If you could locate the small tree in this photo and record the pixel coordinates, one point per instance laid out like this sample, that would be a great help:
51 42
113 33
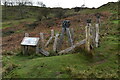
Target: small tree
41 4
77 9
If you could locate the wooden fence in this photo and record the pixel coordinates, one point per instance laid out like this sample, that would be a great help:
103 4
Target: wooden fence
91 41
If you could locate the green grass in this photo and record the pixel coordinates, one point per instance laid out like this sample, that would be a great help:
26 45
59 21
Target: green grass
51 65
103 65
78 65
116 21
12 23
64 66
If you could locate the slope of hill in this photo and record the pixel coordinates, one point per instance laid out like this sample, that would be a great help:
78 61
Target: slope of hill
104 63
110 6
66 66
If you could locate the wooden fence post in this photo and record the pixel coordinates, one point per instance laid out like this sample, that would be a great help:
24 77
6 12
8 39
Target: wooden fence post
62 35
26 35
93 36
97 35
72 33
60 42
44 52
37 48
42 40
70 40
98 21
52 35
73 47
88 37
55 45
23 49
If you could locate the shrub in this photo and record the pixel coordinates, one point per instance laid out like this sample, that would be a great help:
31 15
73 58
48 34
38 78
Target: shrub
7 33
50 23
39 17
9 68
59 13
33 25
45 12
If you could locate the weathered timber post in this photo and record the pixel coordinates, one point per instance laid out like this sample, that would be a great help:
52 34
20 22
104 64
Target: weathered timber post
61 38
23 50
93 37
97 29
55 45
97 35
52 35
44 52
65 28
88 35
26 35
98 16
37 48
88 38
70 40
72 33
42 40
73 47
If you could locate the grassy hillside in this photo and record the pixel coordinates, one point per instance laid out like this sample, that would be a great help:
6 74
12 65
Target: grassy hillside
104 64
77 64
34 12
66 66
